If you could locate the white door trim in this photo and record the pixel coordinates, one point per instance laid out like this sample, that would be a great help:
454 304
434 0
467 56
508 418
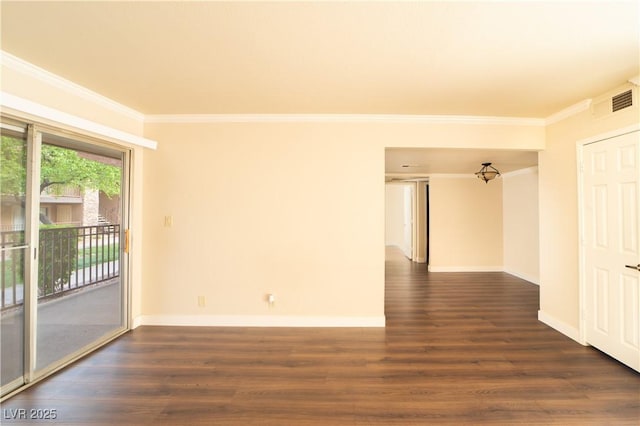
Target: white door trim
581 237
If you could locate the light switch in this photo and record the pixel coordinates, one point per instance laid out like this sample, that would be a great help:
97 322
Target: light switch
168 221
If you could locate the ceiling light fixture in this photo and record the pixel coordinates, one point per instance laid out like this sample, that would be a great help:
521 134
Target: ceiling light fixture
487 172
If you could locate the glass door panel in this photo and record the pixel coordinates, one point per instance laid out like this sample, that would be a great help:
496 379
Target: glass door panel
80 290
13 191
62 220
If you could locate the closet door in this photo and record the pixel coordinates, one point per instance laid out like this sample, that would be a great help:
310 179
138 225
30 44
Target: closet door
611 188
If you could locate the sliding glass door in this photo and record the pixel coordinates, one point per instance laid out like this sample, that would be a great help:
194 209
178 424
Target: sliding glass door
80 291
64 216
13 254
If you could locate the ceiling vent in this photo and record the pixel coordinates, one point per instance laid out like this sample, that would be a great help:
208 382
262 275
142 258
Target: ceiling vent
622 101
611 103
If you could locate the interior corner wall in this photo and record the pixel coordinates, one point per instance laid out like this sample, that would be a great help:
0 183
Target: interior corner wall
558 189
465 224
68 100
521 224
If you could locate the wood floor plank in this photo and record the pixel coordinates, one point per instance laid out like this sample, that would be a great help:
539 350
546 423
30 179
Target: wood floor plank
459 348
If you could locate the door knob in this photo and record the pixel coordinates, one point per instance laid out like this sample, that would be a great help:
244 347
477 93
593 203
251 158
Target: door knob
637 267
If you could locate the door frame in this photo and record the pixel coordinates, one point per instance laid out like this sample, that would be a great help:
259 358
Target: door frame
582 314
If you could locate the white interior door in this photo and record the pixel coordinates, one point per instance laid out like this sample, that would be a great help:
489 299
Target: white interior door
611 226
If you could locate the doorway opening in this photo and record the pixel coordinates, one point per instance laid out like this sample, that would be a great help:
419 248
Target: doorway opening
406 217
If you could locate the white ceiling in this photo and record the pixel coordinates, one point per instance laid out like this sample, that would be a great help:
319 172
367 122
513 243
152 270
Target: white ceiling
430 161
495 58
482 58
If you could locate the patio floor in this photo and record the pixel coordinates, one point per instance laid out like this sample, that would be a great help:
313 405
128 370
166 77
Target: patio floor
65 325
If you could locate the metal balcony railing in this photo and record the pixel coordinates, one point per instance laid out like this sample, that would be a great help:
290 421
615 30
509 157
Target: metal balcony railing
69 258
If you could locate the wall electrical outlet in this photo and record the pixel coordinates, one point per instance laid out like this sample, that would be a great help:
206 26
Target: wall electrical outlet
201 301
271 298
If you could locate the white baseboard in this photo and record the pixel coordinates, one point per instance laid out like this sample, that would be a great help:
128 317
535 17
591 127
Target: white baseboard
258 321
530 278
465 268
137 322
560 326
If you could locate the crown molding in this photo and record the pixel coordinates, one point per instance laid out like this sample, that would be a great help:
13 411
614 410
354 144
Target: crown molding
24 107
568 112
342 118
21 66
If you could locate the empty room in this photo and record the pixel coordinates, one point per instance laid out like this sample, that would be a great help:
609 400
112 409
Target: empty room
318 212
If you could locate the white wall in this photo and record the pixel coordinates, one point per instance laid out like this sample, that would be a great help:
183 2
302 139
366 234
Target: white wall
397 208
291 208
258 209
520 224
559 286
465 224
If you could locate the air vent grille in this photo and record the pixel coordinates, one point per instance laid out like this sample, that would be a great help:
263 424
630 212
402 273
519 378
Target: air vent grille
621 101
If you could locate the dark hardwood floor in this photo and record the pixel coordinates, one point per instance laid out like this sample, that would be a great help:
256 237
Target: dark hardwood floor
459 348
